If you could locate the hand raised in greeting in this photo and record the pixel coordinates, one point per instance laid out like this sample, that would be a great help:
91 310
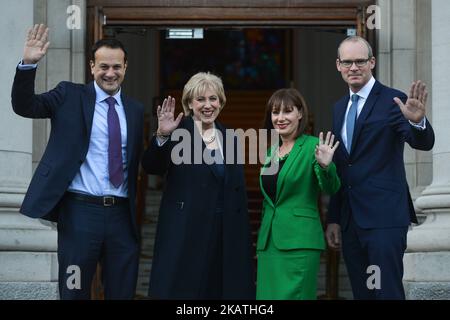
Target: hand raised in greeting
414 108
36 44
166 121
325 149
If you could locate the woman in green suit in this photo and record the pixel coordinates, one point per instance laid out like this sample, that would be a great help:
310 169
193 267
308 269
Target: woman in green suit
291 238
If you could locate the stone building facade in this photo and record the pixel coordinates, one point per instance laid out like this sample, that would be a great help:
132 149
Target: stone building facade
412 43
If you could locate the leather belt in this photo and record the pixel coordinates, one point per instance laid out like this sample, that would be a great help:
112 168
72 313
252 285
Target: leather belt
106 201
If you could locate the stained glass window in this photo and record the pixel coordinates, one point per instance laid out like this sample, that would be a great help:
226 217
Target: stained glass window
247 59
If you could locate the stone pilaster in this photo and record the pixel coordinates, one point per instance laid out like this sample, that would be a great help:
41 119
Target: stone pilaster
427 261
27 246
404 55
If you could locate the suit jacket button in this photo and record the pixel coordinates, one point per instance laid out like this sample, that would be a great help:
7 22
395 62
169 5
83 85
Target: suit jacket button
349 187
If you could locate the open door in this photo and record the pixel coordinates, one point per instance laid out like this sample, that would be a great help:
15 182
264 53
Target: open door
244 109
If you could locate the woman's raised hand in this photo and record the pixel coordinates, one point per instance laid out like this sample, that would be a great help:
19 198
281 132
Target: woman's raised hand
166 122
325 149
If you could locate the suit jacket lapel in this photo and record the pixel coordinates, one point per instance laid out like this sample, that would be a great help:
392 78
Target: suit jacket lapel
366 110
88 111
268 199
339 122
131 126
89 107
267 162
288 164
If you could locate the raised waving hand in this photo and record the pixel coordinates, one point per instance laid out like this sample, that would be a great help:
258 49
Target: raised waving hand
414 108
166 119
36 44
325 149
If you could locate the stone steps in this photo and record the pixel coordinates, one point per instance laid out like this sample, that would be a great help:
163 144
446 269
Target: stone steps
148 232
28 275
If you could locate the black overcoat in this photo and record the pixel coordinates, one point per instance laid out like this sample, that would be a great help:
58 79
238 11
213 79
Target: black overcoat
186 218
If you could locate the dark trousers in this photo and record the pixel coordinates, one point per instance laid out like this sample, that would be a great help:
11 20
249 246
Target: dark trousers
379 248
90 233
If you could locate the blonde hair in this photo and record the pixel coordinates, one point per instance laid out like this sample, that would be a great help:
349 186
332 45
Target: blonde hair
197 85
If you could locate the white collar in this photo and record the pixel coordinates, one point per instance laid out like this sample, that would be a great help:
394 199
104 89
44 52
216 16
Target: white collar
101 95
365 91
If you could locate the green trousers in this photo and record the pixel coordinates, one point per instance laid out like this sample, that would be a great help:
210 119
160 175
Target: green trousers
287 274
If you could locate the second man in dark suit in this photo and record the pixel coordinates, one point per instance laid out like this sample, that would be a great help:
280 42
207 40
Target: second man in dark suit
373 209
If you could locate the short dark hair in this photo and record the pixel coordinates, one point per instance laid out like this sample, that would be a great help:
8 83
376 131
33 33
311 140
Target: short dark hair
109 43
288 97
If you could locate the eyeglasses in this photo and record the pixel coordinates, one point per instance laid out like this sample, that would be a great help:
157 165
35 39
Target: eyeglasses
349 63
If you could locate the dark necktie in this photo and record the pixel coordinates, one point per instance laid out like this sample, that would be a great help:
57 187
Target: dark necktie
351 120
115 165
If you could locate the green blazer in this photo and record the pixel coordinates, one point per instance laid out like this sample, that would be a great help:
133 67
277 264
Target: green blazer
293 220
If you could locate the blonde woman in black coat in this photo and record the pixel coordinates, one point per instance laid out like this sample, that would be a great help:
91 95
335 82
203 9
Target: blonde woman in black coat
202 247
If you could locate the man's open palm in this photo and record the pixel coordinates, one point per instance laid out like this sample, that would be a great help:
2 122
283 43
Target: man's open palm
36 45
414 108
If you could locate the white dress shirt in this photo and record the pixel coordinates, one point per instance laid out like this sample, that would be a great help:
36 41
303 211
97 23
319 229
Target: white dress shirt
93 177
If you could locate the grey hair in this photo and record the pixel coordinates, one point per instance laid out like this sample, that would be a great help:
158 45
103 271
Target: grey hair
356 39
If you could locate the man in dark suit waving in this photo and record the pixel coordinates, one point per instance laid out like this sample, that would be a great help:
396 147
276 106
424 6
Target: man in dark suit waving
373 209
86 179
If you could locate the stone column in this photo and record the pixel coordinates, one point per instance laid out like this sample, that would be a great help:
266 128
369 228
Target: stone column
28 264
427 261
66 53
403 56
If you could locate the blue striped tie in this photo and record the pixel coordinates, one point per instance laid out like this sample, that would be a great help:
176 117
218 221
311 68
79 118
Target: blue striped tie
351 120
